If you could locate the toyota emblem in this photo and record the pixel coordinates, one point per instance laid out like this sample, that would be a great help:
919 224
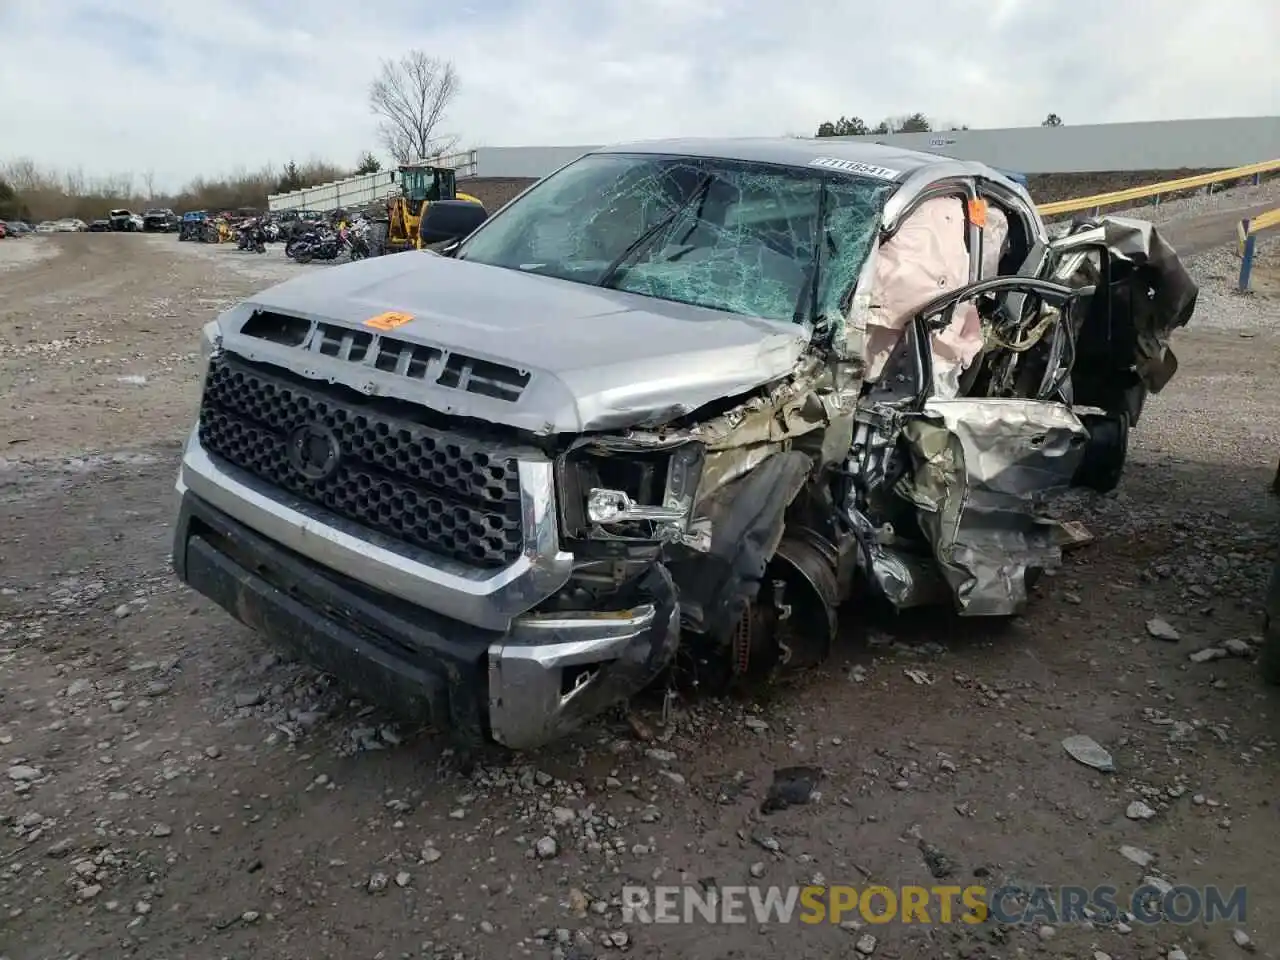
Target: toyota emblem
313 451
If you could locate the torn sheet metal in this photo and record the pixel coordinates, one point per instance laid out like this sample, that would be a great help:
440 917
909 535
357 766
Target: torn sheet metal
906 576
981 469
1171 306
1173 293
815 403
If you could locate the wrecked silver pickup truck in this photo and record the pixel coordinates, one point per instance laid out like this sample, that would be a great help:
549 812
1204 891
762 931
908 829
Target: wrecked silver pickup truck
676 397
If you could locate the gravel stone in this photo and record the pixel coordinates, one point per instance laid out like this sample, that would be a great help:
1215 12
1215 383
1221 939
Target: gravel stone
1138 810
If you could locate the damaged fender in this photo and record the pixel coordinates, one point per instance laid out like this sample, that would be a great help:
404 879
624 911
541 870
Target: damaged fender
747 517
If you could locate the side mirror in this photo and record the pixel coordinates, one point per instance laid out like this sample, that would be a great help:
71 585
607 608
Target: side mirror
450 220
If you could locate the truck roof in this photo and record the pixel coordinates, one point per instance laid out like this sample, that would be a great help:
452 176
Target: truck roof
789 151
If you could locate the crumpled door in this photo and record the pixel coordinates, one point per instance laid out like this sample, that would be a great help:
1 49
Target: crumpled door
981 469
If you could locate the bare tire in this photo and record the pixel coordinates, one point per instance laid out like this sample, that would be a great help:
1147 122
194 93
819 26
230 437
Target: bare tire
1105 452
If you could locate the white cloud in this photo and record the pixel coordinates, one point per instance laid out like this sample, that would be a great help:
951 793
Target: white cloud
206 86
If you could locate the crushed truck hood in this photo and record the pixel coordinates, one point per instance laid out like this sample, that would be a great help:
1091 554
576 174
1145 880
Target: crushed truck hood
595 359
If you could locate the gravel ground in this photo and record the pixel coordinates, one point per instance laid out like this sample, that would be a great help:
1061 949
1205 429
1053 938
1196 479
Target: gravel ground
1221 305
25 251
174 788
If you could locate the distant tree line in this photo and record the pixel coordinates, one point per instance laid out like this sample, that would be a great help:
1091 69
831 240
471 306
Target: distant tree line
30 192
856 127
909 123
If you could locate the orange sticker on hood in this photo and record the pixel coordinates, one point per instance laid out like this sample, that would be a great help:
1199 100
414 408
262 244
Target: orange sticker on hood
389 320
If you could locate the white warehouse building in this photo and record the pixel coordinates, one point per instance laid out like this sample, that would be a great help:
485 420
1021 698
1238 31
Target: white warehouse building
1061 161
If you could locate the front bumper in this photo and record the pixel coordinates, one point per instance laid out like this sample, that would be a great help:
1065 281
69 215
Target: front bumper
542 677
553 672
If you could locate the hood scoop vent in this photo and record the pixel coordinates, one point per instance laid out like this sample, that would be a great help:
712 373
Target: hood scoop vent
414 361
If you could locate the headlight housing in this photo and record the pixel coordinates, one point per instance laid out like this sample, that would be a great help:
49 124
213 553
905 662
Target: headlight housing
210 341
624 489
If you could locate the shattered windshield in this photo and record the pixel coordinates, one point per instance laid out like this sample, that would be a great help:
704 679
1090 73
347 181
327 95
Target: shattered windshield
782 243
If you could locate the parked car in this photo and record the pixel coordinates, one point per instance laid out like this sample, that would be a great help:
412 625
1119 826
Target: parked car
160 220
20 228
125 220
4 230
47 226
666 409
100 226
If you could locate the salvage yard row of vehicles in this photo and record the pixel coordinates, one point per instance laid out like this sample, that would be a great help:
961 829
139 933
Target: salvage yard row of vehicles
665 414
18 228
202 226
160 220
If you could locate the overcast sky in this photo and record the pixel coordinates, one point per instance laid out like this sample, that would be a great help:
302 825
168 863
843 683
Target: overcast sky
189 87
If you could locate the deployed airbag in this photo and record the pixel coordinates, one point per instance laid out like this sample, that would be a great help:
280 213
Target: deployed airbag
926 257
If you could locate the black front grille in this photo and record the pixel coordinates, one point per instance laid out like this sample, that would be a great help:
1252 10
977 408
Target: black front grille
446 494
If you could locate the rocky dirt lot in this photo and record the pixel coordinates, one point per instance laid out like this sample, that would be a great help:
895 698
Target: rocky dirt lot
170 788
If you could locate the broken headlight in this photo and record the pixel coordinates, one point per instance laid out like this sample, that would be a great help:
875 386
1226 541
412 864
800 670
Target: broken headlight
210 341
623 489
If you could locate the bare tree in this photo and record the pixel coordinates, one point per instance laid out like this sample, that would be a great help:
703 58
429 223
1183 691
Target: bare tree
149 181
26 176
410 96
76 183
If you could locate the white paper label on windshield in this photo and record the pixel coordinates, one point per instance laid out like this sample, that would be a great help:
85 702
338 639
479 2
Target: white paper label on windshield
855 166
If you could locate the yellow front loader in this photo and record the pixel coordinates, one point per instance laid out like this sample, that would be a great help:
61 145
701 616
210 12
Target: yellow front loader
420 184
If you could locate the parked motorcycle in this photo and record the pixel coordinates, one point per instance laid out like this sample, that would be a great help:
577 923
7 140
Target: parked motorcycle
251 236
318 244
358 239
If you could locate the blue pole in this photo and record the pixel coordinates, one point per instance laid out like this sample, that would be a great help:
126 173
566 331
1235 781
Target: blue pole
1246 260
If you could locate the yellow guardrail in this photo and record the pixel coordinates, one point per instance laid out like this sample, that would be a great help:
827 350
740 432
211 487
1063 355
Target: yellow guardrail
1264 222
1248 231
1097 201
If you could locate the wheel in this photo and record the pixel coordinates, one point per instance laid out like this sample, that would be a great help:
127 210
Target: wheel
1269 661
1105 452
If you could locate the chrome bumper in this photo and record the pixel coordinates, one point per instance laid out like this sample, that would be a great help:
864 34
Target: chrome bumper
548 673
552 673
